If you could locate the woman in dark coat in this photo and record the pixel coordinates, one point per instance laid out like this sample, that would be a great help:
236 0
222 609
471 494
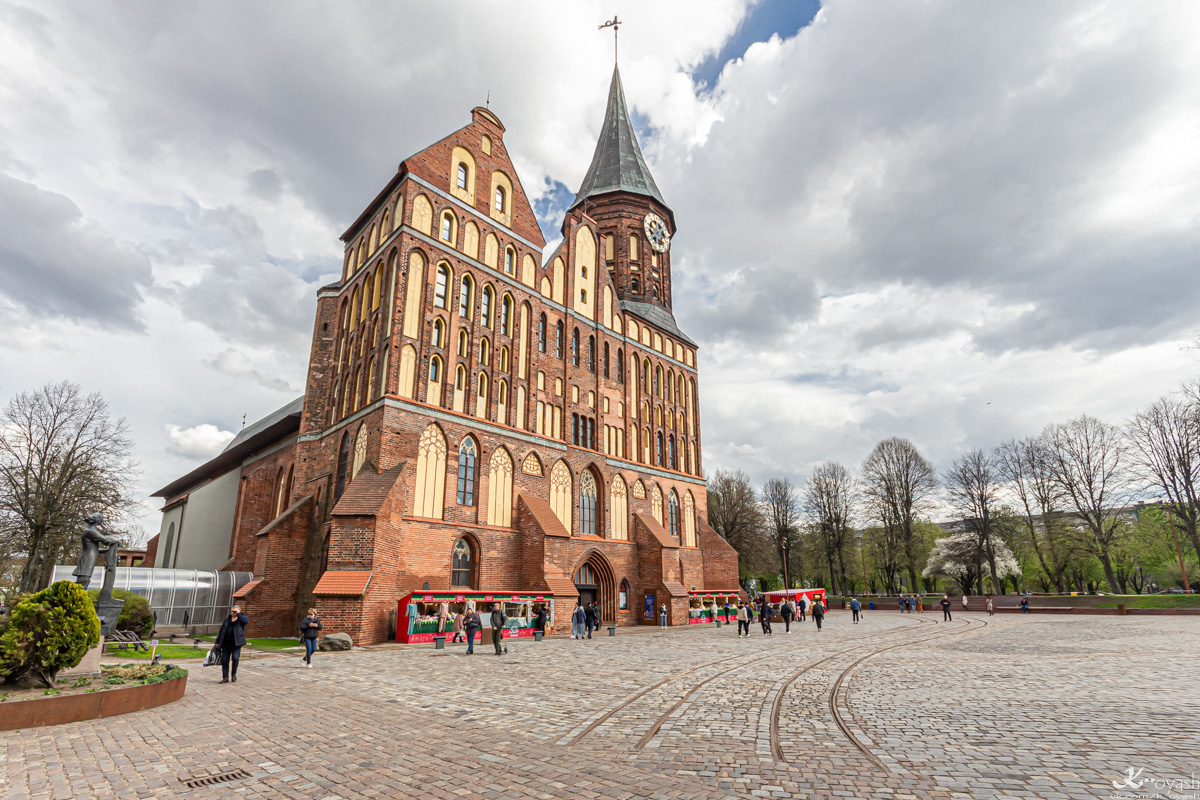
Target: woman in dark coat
309 631
232 638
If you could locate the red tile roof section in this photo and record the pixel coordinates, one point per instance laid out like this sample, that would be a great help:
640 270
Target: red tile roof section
660 533
367 492
343 582
247 589
546 520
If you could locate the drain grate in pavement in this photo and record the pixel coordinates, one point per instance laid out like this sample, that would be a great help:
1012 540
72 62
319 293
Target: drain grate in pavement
214 780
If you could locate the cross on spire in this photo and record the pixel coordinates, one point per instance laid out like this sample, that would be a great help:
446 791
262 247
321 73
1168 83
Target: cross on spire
615 24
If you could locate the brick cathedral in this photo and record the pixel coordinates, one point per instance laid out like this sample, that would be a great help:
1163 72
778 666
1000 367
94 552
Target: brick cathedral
478 415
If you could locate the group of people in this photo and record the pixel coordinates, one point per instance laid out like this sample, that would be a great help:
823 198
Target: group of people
584 620
910 603
788 610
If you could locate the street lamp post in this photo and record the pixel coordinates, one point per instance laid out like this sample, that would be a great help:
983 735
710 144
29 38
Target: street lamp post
786 584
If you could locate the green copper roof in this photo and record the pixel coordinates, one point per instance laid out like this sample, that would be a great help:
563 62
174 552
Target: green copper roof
617 164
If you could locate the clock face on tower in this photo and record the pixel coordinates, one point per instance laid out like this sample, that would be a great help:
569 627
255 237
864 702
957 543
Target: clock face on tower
656 232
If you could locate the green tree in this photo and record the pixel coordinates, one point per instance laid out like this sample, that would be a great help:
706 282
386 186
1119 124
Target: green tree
50 631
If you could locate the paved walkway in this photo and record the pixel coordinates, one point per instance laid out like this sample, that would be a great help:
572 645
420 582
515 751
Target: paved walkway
898 707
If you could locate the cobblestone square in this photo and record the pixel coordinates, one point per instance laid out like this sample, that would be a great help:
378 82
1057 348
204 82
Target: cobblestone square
900 706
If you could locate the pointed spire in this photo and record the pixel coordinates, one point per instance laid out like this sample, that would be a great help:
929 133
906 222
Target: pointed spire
617 164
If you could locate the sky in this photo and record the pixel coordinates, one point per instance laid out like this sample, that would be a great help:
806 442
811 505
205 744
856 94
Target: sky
953 222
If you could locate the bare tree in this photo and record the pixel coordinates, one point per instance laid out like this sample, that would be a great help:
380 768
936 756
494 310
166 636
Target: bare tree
1089 462
1166 450
1024 465
973 487
734 513
781 507
898 483
828 499
61 457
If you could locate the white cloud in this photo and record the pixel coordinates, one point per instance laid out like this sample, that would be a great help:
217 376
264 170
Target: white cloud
888 221
199 441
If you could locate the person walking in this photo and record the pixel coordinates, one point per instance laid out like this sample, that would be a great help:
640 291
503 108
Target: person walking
785 611
232 638
457 626
498 620
472 623
578 618
818 613
309 630
596 607
964 602
855 608
662 616
743 620
920 605
539 623
946 608
764 617
803 607
589 619
901 601
990 608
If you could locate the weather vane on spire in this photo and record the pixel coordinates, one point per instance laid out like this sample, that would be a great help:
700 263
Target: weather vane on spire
615 24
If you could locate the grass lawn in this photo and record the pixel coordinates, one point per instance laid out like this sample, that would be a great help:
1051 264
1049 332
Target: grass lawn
169 652
1150 601
263 644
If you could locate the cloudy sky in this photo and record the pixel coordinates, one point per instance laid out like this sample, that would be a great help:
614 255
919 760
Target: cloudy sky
955 222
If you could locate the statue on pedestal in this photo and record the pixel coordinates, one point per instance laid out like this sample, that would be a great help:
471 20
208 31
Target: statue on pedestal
93 538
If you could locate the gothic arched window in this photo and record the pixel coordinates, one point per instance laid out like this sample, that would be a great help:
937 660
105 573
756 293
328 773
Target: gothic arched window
466 472
485 307
438 338
462 570
587 504
575 347
673 513
604 362
466 297
542 333
591 354
558 339
658 449
439 289
462 176
500 199
343 464
620 366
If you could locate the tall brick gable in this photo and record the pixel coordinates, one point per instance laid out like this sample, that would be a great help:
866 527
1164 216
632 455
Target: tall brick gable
585 445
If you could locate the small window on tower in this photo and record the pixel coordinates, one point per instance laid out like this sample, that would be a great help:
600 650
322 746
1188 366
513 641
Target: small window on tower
462 176
500 198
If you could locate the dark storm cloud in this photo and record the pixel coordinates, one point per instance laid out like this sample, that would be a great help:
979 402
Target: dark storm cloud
54 263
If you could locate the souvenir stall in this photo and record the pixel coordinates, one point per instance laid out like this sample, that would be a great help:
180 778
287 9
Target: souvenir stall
420 612
710 606
778 596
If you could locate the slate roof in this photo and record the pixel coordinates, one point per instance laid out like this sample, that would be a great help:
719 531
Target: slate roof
655 315
294 408
367 491
617 165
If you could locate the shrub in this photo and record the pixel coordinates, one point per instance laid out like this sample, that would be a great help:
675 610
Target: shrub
51 630
135 616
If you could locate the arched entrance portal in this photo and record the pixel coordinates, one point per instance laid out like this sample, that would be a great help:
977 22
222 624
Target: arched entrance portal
594 581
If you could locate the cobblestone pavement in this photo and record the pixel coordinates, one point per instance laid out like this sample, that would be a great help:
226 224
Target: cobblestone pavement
898 707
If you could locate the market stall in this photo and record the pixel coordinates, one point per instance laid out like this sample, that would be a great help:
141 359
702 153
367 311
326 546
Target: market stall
710 606
424 615
778 596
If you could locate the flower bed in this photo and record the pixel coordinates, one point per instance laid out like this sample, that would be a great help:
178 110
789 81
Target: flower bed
119 690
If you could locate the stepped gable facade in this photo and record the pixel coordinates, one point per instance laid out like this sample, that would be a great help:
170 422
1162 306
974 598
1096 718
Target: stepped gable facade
478 414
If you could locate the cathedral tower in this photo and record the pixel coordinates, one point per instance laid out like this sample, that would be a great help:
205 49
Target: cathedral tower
635 222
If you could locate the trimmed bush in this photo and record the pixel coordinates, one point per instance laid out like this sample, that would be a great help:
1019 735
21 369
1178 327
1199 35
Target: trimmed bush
135 616
50 631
